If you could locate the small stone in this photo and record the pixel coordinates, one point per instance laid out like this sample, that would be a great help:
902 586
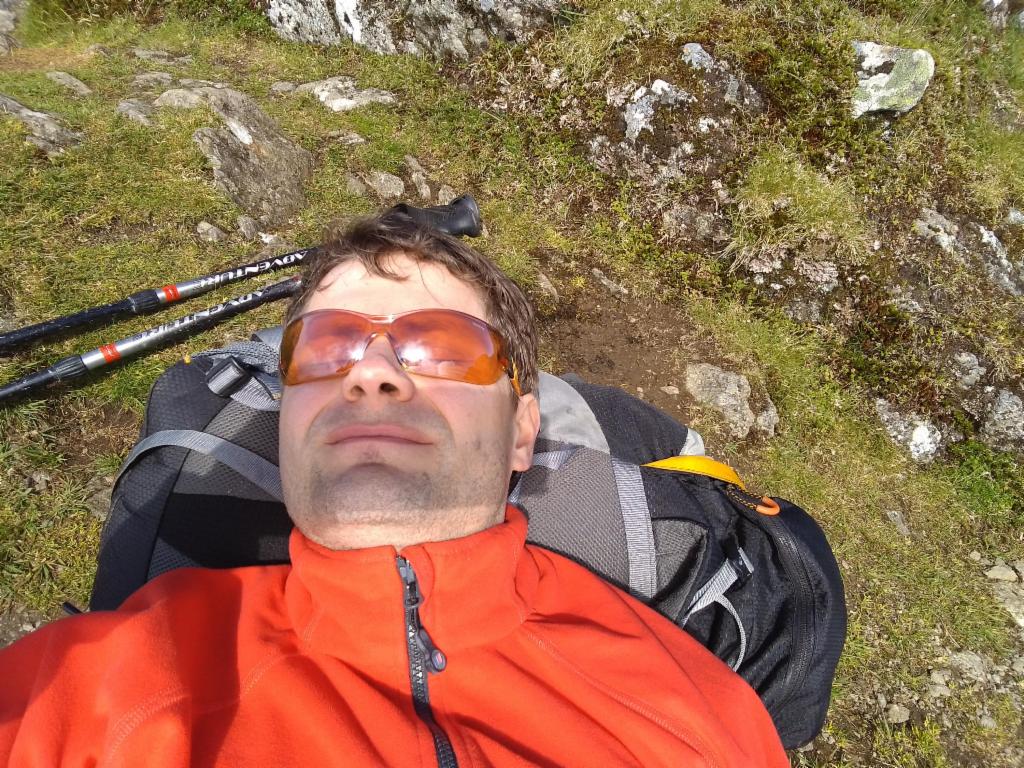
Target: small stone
919 436
1018 665
936 691
1001 573
281 87
988 722
163 57
99 503
1015 218
386 185
180 98
695 55
896 518
340 94
670 389
615 288
39 481
248 227
971 665
546 286
273 240
897 714
73 84
346 138
354 186
975 556
1011 598
135 110
1004 427
210 233
768 420
152 80
47 133
940 676
96 49
890 79
446 194
418 176
969 371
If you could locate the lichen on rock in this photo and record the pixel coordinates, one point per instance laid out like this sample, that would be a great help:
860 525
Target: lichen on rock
890 79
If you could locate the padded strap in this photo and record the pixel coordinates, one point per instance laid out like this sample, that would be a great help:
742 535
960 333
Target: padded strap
566 417
699 465
253 467
636 516
550 459
714 591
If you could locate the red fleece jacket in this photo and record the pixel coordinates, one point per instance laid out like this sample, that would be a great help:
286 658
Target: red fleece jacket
310 665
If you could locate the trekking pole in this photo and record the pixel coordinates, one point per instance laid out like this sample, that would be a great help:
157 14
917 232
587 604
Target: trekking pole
460 217
74 366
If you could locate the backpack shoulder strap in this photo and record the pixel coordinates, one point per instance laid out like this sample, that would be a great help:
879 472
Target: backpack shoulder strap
250 465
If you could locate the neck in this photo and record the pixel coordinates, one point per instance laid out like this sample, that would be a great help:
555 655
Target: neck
339 535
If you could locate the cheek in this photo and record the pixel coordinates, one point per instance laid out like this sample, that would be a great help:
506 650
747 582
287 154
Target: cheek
299 405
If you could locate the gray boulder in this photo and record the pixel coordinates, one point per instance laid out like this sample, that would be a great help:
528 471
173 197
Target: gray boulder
998 12
1004 426
918 435
73 84
210 233
436 27
46 132
729 394
10 12
145 80
890 79
339 94
253 162
136 110
386 185
1003 272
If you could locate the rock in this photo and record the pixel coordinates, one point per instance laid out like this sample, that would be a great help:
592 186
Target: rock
726 392
386 185
211 233
1015 218
968 370
438 27
248 227
1018 21
47 133
823 274
546 286
918 435
1004 426
145 80
640 108
39 481
136 110
354 185
418 176
998 12
767 420
99 503
614 288
1001 573
686 222
896 518
282 86
890 79
73 84
975 556
1011 598
446 194
346 138
10 13
96 49
934 226
897 714
161 57
670 390
734 89
188 82
340 94
253 162
1001 271
970 665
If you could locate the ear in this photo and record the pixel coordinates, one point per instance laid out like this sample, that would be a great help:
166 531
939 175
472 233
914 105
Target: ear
525 426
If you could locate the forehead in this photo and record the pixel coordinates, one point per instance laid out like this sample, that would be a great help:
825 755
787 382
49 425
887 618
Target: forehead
423 285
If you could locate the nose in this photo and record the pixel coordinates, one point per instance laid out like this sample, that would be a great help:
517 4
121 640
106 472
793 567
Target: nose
378 374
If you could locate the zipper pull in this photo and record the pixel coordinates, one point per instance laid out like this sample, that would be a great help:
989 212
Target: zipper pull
433 656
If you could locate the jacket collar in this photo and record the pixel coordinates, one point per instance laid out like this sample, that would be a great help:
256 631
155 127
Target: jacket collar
350 603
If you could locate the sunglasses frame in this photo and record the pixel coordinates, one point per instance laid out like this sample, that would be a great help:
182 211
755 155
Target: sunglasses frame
380 326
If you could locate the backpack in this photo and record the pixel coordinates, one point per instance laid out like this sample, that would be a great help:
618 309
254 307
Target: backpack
616 485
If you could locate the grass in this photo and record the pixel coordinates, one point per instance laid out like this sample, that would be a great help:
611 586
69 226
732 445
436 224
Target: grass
784 204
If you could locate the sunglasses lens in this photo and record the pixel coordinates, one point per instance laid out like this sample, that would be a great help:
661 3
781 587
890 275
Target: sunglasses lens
448 345
319 345
443 344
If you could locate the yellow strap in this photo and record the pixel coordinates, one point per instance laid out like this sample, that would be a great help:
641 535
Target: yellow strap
699 465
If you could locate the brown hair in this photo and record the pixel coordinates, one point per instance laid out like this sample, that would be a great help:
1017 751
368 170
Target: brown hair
372 241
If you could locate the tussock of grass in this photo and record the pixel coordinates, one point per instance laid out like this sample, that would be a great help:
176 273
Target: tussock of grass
998 165
782 203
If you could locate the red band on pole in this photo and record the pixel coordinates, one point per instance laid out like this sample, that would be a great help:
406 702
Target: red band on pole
171 293
110 353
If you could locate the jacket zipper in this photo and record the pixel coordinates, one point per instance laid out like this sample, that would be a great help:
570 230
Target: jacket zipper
424 658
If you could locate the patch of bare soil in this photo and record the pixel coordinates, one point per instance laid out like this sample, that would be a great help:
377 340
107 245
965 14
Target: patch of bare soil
17 622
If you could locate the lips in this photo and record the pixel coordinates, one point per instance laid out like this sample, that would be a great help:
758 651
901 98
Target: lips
392 433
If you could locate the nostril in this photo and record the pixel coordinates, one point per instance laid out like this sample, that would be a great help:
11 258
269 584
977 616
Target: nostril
387 387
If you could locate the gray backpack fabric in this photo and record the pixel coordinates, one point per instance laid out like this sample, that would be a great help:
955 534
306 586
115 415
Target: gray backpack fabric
763 593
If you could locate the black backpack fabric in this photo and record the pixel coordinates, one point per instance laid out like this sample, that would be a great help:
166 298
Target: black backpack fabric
761 591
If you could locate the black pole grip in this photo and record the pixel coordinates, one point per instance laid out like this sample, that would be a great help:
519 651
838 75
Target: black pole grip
460 218
66 368
29 333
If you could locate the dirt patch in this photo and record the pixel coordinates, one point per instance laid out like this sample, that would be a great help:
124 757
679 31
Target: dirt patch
85 436
16 623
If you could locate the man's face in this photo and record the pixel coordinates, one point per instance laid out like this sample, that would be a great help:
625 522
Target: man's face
381 456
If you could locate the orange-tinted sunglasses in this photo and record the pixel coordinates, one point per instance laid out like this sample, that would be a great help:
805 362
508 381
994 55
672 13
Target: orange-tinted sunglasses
440 343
